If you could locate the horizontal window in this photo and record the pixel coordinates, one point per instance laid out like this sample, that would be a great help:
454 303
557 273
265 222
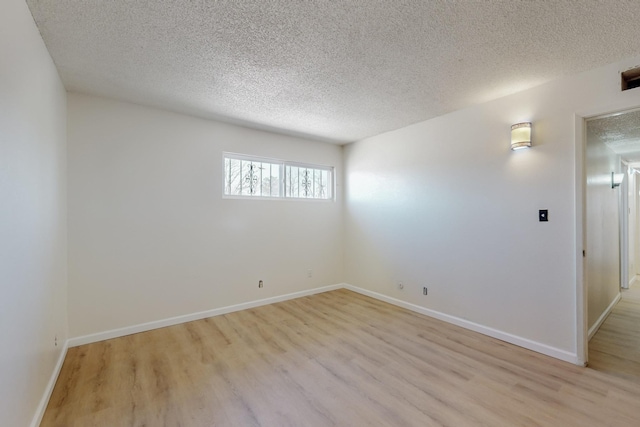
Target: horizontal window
250 177
247 176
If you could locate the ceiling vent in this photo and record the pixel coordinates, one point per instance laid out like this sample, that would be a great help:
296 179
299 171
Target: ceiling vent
630 78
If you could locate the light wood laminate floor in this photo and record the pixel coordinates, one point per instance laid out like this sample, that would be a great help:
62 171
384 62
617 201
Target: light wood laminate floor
615 348
332 359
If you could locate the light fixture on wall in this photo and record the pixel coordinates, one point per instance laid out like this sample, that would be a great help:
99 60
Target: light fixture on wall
521 136
616 179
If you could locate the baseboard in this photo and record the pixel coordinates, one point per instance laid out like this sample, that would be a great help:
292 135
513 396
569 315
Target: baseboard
128 330
504 336
634 280
501 335
44 401
115 333
603 317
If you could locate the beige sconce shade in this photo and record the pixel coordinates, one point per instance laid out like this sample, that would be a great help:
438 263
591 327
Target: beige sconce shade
521 136
616 179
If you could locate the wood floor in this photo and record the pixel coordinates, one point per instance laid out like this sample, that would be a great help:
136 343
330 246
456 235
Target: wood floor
332 359
615 348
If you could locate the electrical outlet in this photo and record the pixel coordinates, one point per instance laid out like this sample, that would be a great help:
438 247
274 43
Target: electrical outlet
309 273
400 285
260 284
55 341
424 291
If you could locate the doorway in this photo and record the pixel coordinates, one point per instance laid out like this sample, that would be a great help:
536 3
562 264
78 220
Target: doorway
611 150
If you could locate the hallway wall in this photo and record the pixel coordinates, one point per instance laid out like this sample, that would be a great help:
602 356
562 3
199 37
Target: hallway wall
603 233
634 228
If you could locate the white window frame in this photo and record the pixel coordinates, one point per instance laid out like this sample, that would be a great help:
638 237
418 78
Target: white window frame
283 165
328 169
244 157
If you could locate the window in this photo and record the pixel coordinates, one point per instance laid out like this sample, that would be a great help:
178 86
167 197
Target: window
244 176
307 182
247 176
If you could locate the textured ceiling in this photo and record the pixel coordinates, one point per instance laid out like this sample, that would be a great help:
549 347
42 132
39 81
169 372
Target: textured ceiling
333 70
620 132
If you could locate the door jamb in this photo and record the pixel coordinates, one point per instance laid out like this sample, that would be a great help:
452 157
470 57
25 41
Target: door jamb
580 134
581 327
624 227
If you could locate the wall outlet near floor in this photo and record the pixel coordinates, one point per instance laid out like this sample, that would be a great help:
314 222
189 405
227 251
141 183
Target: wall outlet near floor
424 291
400 285
309 273
260 284
55 341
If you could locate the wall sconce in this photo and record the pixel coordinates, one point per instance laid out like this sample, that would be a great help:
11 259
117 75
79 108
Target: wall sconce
616 179
520 136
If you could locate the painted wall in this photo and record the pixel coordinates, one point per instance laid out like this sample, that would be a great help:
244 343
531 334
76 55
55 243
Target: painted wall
150 236
445 204
634 227
603 232
33 253
631 218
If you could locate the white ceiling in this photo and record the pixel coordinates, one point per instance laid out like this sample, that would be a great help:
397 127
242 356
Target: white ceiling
332 70
620 132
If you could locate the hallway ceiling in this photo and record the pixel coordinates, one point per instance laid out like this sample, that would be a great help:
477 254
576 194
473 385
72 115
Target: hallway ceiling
620 132
334 71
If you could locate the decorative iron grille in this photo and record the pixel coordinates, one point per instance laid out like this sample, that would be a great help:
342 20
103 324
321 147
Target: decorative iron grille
254 177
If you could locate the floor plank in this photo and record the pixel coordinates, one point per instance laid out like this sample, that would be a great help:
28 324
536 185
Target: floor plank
332 359
615 348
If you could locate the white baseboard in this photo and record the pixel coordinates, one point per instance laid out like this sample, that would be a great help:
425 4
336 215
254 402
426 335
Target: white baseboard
634 280
504 336
115 333
44 401
593 329
128 330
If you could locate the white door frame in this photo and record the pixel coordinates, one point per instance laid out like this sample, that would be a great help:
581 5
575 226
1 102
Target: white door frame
624 227
633 221
581 326
580 134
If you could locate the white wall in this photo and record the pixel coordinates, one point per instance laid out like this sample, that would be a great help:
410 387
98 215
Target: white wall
631 215
445 204
635 218
634 228
603 232
33 255
150 236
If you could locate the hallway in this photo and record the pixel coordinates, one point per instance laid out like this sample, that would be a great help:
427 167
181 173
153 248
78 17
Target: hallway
615 348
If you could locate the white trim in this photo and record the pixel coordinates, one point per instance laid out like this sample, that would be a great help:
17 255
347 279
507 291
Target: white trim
603 316
282 182
580 326
634 280
623 219
504 336
44 401
142 327
580 117
279 199
115 333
